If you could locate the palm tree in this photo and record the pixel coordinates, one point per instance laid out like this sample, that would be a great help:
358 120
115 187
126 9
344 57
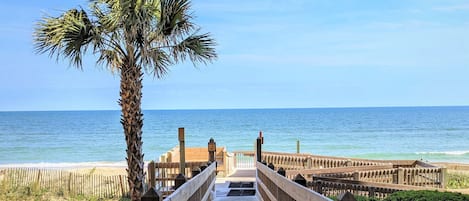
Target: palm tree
130 37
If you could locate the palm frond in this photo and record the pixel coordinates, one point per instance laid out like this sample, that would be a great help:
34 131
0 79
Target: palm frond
175 18
198 48
111 59
66 36
156 62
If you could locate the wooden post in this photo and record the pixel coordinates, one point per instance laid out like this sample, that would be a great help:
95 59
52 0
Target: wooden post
203 167
121 185
212 149
299 179
152 195
271 166
400 175
259 149
70 183
371 192
309 162
356 176
196 171
179 181
281 171
297 146
346 196
152 174
182 151
318 186
443 174
261 136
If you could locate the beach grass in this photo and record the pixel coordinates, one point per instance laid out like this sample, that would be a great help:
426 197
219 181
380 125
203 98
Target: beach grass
34 192
66 184
458 180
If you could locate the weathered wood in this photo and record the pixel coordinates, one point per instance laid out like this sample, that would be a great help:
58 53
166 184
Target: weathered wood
347 196
259 149
152 174
212 148
152 195
374 184
186 191
267 177
182 151
291 173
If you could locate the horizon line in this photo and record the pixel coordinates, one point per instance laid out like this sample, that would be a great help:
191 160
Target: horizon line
241 108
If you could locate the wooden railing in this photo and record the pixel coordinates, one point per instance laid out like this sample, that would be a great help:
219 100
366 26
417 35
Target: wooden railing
199 188
425 177
335 186
275 187
339 172
307 161
165 174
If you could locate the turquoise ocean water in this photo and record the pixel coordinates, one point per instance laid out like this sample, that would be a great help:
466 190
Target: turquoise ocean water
70 137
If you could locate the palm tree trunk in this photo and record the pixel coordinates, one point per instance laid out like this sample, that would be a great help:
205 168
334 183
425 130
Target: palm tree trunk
132 122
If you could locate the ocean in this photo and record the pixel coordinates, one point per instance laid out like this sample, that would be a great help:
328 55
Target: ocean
76 137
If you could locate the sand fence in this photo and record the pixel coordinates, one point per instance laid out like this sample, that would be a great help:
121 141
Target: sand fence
64 182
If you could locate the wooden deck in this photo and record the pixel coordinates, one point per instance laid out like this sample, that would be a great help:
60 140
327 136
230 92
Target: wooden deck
240 175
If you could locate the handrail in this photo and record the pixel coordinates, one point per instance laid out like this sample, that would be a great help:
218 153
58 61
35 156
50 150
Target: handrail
197 188
274 187
309 172
374 184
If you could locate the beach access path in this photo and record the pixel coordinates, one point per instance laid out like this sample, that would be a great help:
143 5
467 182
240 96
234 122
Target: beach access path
240 175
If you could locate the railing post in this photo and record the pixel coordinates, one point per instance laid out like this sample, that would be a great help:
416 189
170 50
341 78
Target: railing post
203 167
151 174
281 171
443 174
179 181
309 162
212 148
400 175
347 196
259 149
271 166
196 171
182 151
297 146
152 195
299 179
318 186
371 192
356 176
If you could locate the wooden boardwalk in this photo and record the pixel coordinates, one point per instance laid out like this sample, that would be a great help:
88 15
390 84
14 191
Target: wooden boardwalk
240 175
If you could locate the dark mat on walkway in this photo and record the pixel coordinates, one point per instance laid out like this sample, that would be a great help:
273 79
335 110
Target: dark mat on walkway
243 192
241 185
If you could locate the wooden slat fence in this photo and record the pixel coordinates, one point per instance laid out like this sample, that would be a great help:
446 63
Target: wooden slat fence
65 182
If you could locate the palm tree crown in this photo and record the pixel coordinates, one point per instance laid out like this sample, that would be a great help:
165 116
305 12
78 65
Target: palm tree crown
153 34
128 36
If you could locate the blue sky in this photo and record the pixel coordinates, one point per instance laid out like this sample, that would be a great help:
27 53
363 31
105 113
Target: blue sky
272 54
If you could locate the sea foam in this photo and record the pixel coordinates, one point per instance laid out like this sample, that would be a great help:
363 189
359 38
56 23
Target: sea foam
456 153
